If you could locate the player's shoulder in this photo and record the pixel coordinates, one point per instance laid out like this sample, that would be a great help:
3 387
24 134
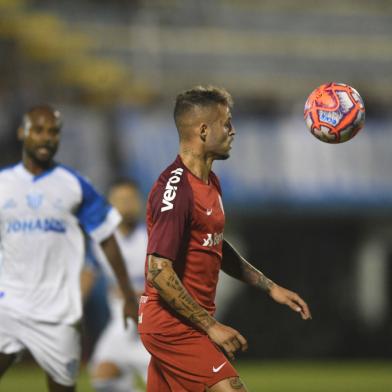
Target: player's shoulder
9 170
70 181
175 169
172 178
73 175
70 171
171 185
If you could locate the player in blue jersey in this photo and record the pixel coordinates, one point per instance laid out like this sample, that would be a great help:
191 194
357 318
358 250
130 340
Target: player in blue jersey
44 209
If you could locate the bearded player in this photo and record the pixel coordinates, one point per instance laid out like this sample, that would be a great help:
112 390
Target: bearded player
44 206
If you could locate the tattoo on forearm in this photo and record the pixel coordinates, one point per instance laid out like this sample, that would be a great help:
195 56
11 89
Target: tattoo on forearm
202 318
255 277
237 267
155 268
171 289
173 282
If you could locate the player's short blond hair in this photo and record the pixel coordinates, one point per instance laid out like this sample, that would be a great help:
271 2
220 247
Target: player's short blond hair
200 96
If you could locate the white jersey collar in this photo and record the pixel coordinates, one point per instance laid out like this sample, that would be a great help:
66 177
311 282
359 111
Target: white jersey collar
23 172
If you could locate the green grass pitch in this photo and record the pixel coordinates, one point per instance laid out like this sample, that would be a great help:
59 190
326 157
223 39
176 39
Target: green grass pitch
259 376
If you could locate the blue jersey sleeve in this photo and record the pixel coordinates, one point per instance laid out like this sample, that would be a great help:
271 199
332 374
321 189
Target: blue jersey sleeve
93 209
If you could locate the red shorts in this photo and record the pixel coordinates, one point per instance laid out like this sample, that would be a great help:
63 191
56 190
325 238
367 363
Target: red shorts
187 362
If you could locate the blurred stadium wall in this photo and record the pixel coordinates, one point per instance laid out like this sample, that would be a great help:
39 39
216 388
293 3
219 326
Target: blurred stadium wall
315 217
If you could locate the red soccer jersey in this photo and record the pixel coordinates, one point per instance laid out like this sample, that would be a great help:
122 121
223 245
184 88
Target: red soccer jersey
185 222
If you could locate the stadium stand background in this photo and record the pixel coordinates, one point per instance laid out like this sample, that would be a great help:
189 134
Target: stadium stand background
317 218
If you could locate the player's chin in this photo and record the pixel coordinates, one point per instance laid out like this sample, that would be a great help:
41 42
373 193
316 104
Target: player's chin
44 158
223 156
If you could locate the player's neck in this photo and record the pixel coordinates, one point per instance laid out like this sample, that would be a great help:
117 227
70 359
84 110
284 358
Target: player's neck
197 164
34 167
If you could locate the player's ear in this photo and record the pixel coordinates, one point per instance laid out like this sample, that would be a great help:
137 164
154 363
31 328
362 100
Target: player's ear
203 131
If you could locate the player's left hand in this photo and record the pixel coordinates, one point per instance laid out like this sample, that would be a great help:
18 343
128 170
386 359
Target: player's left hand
291 299
130 310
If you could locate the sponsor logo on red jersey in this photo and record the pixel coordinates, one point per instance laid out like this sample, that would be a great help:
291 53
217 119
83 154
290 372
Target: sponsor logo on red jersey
213 239
171 190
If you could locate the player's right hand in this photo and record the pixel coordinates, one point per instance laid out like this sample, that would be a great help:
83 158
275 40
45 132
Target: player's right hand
227 338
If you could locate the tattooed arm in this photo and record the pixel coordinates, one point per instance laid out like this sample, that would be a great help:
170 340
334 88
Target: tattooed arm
163 277
169 286
237 267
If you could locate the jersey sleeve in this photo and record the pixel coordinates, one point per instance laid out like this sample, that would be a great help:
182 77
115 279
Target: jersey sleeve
97 217
169 212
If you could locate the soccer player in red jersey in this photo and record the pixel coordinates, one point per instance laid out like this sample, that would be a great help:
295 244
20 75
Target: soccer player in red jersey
186 250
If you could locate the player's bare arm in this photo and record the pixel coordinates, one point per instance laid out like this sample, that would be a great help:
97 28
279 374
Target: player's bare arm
163 277
237 267
166 281
87 280
113 254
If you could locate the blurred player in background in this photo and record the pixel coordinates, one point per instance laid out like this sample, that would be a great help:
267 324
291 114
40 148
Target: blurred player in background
43 206
119 354
186 250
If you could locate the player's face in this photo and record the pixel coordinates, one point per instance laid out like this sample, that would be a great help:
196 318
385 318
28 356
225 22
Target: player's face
41 136
221 133
128 202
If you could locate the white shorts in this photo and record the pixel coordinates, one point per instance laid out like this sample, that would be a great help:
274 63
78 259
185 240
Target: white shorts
121 346
55 347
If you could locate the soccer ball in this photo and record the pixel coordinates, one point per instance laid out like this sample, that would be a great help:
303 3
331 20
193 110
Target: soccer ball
334 112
